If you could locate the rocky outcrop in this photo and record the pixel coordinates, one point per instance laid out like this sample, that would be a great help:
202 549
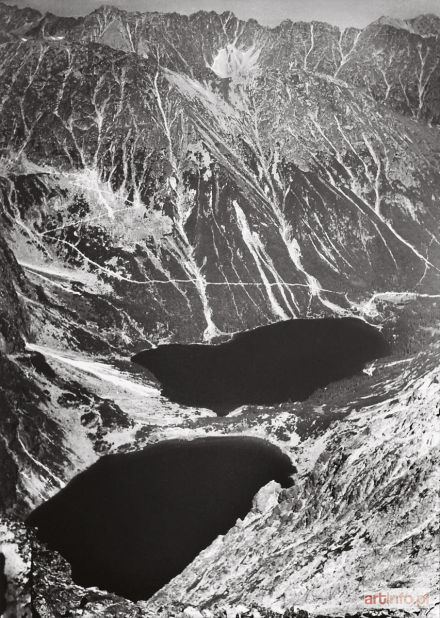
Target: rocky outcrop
16 563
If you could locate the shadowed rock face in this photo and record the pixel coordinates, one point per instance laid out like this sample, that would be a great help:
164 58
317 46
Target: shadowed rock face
14 320
130 523
271 364
3 584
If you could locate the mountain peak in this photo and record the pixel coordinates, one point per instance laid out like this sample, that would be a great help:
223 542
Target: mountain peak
423 25
426 25
12 9
108 8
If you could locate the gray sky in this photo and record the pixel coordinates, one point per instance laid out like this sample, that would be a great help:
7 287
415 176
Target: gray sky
340 12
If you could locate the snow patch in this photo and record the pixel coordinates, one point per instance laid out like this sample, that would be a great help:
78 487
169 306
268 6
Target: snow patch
102 371
234 62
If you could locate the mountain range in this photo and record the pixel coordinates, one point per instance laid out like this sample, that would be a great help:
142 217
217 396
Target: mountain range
178 179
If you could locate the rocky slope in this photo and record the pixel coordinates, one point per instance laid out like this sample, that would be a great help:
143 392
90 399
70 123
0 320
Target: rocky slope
171 178
359 519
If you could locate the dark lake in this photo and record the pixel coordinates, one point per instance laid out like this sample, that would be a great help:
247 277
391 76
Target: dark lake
268 365
130 523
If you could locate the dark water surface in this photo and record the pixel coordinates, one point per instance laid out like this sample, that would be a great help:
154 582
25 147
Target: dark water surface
131 522
271 364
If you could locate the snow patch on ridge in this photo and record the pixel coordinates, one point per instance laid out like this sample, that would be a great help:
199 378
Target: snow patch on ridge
234 62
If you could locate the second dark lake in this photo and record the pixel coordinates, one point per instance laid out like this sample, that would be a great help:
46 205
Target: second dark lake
132 522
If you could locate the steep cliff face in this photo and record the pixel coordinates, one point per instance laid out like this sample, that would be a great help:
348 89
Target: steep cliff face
14 321
166 178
